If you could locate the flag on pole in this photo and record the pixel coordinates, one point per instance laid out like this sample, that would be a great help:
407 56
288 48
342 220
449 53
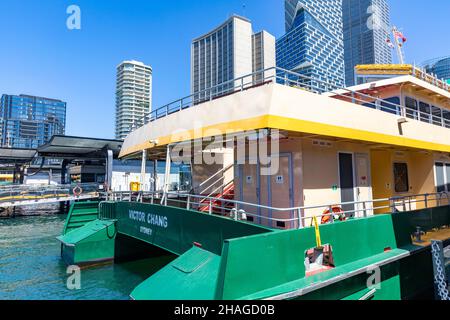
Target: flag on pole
389 43
400 35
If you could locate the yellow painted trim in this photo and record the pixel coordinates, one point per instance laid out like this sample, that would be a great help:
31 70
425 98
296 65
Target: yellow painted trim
226 127
294 125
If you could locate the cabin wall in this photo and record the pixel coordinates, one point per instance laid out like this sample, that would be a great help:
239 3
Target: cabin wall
420 175
321 181
315 178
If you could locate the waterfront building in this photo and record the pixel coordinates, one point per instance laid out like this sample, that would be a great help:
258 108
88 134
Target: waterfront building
29 121
313 44
228 52
133 96
439 67
366 27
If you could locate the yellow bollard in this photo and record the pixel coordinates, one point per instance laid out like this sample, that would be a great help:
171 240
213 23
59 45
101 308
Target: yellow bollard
318 238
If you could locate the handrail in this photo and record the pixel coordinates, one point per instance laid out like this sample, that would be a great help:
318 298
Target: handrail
223 186
368 206
22 193
217 173
291 79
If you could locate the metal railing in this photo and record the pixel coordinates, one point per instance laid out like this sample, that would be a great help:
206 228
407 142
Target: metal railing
299 81
287 218
435 115
13 194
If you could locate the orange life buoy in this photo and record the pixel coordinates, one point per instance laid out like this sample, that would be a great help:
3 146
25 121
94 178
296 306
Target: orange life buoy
77 191
336 210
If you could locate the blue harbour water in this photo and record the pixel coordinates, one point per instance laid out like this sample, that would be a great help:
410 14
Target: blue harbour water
31 267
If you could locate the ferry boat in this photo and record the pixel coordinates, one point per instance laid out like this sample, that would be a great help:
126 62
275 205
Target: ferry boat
299 190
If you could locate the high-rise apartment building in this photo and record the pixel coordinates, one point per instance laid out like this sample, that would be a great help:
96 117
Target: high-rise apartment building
29 122
133 96
313 44
366 27
228 52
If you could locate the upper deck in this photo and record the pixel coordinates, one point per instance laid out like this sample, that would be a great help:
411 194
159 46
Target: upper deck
291 102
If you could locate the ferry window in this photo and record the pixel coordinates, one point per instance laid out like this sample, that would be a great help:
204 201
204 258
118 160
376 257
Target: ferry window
442 177
425 111
391 105
437 115
446 117
411 108
401 177
447 175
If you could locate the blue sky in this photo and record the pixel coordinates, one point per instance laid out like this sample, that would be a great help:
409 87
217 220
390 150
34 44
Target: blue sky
40 56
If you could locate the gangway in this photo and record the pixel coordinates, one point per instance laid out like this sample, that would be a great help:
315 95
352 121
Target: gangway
25 195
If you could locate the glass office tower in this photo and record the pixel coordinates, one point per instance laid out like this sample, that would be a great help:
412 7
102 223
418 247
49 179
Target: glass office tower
439 67
313 44
366 27
29 122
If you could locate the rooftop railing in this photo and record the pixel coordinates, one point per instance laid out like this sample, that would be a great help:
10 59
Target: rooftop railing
433 115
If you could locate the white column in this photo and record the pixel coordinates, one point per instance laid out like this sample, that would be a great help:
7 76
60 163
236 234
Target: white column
167 173
143 169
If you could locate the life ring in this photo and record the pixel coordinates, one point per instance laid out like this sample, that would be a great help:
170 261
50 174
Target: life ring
77 191
336 210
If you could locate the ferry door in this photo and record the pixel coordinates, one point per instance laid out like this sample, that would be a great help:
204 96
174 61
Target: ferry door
277 191
249 190
363 184
347 181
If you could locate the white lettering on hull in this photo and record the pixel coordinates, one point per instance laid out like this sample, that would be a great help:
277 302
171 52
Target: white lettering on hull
150 218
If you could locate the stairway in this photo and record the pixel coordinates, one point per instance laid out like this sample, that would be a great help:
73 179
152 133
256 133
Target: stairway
80 214
221 203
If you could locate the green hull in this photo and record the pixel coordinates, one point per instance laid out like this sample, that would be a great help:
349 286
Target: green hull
222 259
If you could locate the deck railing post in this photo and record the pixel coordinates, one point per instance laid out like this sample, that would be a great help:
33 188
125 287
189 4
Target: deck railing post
188 205
332 215
300 221
426 201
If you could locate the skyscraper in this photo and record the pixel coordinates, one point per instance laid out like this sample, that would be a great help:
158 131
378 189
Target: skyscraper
133 96
227 53
263 50
29 122
313 43
439 67
366 28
